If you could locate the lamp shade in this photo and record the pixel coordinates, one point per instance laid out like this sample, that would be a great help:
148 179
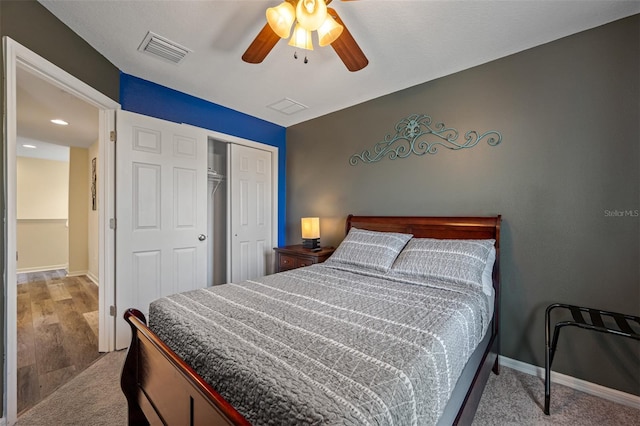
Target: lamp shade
301 38
310 227
329 31
280 19
311 13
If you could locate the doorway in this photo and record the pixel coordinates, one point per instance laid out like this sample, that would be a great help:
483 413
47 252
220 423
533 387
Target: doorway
18 59
57 285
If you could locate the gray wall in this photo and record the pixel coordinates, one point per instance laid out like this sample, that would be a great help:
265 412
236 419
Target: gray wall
33 26
569 115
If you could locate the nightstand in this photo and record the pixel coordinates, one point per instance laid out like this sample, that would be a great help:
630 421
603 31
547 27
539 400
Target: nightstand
292 257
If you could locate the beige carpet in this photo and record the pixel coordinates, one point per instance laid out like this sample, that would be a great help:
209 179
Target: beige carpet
93 398
515 398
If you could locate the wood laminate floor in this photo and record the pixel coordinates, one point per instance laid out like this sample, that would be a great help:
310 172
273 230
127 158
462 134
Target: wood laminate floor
57 332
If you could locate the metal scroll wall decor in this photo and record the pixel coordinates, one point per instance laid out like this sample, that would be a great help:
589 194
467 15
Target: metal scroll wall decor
411 139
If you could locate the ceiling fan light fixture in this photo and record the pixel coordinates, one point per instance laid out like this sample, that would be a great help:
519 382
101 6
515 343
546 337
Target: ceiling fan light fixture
280 19
311 13
329 31
301 38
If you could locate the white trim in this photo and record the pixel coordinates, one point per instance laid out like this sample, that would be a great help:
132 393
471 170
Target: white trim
106 236
10 242
42 268
93 278
55 220
17 56
594 389
77 273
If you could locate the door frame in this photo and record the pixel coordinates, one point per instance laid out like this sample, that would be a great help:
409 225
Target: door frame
223 137
17 56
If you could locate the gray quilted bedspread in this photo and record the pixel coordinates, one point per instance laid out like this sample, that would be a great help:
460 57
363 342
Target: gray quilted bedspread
320 345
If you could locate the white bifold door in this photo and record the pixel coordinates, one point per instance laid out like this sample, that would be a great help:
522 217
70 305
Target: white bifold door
161 210
250 199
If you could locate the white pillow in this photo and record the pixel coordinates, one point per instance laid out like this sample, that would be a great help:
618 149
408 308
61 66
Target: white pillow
487 273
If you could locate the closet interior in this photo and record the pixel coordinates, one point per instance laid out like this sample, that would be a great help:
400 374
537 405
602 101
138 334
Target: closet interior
217 187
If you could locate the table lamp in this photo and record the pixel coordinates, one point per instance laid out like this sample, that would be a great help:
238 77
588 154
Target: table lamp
310 232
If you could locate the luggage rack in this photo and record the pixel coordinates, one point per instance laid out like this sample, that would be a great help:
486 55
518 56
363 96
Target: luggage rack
597 324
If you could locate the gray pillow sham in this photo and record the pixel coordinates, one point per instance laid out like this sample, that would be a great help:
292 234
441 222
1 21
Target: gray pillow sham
369 249
460 261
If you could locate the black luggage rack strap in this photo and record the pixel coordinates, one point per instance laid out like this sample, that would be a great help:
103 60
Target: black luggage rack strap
597 323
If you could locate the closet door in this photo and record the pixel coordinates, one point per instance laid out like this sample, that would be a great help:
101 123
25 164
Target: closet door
161 210
250 212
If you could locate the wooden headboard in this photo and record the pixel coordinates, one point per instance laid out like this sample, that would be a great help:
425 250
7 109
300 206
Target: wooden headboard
470 228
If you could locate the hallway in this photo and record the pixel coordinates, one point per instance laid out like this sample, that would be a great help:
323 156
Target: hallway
57 326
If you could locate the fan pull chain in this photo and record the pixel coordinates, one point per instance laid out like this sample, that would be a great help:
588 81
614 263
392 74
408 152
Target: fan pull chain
295 56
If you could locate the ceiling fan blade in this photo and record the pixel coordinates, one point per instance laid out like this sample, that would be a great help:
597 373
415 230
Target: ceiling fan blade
347 48
261 45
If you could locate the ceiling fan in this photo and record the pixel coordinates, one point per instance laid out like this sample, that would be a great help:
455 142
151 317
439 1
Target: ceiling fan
309 15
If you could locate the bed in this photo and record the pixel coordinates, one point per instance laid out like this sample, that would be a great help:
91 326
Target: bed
356 340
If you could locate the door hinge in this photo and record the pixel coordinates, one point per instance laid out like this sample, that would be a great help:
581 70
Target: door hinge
112 310
112 223
16 256
113 136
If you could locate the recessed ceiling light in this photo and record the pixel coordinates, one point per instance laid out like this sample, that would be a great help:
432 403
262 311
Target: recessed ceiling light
60 122
29 146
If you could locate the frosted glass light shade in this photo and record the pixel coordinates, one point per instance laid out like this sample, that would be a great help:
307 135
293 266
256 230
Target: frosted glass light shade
280 19
311 13
329 31
310 227
301 38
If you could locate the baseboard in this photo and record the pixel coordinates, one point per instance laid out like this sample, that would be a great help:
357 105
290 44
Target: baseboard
574 383
76 273
93 278
41 269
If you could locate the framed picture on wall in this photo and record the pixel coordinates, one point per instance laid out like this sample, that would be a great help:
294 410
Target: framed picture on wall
94 201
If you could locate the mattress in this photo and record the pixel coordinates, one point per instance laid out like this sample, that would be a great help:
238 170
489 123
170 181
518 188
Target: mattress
325 345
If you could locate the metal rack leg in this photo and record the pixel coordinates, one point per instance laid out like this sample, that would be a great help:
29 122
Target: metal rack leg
550 348
547 381
547 375
548 360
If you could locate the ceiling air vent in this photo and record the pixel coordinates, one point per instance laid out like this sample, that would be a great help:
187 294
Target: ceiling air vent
287 106
163 48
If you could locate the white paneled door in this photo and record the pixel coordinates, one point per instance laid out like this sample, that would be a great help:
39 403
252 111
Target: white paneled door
250 212
161 209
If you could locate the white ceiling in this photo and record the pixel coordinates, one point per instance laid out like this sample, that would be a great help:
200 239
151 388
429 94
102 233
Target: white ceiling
406 42
38 102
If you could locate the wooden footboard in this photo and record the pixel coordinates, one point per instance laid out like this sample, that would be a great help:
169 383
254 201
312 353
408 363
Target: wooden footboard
162 389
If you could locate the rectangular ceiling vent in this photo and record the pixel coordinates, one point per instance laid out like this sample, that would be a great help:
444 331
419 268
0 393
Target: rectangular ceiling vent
288 106
163 48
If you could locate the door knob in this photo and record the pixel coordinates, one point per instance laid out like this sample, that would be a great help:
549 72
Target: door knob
202 237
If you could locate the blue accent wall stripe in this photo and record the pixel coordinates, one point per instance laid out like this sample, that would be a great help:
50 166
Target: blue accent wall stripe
148 98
